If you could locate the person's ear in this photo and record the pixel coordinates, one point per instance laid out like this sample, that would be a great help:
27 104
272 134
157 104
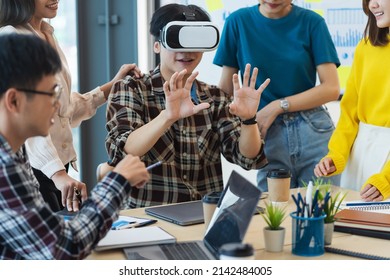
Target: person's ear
157 47
12 100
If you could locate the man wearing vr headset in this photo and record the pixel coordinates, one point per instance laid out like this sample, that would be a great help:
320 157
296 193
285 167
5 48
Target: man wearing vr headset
171 117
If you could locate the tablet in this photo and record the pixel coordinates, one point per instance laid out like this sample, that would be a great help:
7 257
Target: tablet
184 214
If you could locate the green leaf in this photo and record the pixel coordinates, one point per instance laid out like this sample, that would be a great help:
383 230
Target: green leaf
274 215
334 202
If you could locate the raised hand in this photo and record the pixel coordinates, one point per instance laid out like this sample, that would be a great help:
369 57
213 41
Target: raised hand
178 97
247 98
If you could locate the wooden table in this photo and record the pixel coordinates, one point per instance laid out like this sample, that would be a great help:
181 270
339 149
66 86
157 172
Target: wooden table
254 236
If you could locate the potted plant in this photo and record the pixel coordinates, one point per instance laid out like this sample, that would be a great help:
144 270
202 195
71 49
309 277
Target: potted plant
330 207
274 234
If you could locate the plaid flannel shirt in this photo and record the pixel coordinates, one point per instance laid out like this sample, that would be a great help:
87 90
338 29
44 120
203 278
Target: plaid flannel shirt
30 230
190 150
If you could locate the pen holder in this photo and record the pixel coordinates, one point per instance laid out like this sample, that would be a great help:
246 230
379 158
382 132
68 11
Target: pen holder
307 235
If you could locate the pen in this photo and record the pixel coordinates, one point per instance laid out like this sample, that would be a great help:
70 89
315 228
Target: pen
150 167
315 203
300 201
297 204
77 194
135 225
309 197
326 199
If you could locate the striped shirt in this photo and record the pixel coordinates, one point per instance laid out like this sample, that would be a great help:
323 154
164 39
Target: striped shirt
190 149
30 230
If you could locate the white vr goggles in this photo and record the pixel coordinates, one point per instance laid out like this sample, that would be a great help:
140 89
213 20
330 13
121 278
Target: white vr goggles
190 36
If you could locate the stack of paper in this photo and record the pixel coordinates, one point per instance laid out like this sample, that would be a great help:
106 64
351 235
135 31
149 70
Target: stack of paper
363 223
363 219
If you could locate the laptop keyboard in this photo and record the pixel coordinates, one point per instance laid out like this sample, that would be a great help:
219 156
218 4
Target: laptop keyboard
184 251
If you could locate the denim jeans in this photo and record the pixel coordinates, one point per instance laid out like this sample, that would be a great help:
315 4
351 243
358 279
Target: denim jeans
297 141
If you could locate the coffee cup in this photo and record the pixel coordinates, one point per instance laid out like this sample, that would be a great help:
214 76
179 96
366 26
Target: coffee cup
210 202
278 181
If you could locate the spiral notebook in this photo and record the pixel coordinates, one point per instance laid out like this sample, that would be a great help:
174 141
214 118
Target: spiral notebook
372 206
354 254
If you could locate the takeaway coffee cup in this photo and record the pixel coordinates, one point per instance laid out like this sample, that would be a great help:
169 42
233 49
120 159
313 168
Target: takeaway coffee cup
278 181
210 202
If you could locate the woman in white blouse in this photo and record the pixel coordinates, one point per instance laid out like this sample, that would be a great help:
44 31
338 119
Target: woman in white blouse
51 156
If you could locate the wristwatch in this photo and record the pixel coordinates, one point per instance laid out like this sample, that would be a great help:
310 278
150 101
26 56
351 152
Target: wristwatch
284 104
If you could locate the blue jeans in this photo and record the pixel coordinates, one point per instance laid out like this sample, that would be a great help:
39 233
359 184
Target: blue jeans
297 141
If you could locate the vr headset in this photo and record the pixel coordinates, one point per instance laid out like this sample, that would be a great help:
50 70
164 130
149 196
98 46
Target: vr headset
190 36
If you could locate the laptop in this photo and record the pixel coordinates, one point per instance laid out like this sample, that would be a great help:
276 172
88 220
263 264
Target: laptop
184 214
229 224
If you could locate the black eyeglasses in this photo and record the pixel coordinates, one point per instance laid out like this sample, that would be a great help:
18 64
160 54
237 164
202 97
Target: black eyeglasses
56 93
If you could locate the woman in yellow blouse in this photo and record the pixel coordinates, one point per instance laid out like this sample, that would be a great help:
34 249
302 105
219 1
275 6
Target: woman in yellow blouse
360 145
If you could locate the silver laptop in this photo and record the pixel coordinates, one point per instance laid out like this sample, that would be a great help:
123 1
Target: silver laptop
228 225
184 214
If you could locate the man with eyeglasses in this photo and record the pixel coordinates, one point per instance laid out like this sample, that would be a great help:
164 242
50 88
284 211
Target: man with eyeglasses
29 96
55 93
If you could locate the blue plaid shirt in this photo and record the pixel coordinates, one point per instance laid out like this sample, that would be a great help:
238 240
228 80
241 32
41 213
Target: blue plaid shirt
30 230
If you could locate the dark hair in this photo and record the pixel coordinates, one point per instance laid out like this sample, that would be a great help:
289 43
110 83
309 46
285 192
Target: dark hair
377 36
16 12
175 12
25 60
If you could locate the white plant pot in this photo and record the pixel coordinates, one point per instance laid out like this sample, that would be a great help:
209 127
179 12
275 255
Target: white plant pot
274 239
328 234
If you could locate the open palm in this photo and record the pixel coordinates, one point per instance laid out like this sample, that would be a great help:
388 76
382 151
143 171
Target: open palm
178 98
247 98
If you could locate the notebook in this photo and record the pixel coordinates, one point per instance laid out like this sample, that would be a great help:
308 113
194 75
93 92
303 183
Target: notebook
370 206
228 225
354 254
363 220
134 237
184 214
363 232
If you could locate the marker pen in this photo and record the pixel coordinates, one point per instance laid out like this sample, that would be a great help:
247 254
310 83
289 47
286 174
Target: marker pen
150 167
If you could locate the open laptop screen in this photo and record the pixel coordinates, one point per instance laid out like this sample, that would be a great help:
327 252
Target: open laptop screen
233 214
